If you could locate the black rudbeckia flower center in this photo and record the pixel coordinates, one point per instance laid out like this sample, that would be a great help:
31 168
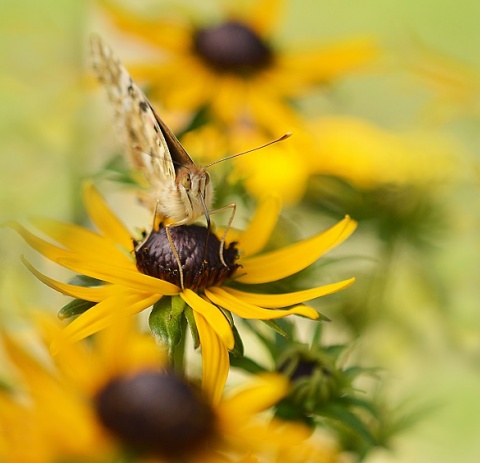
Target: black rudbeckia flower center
156 413
199 253
232 47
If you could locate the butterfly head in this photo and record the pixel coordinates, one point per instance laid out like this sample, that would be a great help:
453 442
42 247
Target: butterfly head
193 184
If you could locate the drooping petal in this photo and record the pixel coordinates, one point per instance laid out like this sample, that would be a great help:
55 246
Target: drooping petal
275 301
255 237
212 314
103 314
215 361
82 241
229 96
284 262
87 293
127 277
246 310
103 218
50 251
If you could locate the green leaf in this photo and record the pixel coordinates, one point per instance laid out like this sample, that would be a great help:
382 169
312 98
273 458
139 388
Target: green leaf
348 419
166 323
73 308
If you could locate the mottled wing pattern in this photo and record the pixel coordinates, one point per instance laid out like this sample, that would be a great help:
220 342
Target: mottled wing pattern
146 145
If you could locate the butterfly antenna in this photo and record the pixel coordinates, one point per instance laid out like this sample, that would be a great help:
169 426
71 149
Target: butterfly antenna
283 137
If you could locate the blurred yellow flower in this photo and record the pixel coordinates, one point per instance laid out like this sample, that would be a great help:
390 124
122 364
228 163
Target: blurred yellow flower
46 416
125 287
235 67
368 155
100 400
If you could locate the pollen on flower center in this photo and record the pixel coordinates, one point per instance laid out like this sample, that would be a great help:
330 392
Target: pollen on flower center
233 47
156 413
199 253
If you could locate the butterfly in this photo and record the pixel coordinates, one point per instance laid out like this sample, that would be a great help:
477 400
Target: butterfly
177 189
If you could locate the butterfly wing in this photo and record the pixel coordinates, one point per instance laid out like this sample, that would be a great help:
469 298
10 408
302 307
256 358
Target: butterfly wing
152 147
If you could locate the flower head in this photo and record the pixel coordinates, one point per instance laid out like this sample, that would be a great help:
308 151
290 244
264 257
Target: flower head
240 71
124 286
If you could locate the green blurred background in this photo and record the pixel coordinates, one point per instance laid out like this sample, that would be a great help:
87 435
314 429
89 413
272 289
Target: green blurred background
429 343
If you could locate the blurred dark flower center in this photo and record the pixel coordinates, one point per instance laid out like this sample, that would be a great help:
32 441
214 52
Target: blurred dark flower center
199 253
156 413
232 47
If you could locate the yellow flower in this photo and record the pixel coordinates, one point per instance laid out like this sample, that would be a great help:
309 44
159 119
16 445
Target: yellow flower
100 399
369 156
235 66
121 289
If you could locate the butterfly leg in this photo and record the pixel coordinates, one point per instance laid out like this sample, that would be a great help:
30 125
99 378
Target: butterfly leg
233 207
174 250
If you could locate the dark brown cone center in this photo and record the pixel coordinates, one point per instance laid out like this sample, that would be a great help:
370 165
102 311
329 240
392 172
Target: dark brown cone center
232 47
156 413
199 253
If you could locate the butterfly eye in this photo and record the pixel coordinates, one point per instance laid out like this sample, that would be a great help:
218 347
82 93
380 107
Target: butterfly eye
207 178
186 182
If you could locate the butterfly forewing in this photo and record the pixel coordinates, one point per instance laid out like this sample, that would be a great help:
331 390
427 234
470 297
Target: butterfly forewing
139 125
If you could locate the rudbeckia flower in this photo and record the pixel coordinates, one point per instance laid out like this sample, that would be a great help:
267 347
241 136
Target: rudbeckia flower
235 66
103 400
129 278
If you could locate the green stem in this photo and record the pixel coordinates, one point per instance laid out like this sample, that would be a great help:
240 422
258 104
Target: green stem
176 354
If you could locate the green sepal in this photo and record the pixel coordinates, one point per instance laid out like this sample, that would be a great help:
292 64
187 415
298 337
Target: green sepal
193 326
166 323
73 308
247 364
277 328
86 281
238 350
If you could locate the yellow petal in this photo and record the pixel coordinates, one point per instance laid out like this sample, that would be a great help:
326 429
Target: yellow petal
246 310
275 301
45 248
174 36
215 361
265 391
82 241
93 294
229 97
269 111
101 215
212 314
79 355
127 277
329 62
255 237
102 315
284 262
264 15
